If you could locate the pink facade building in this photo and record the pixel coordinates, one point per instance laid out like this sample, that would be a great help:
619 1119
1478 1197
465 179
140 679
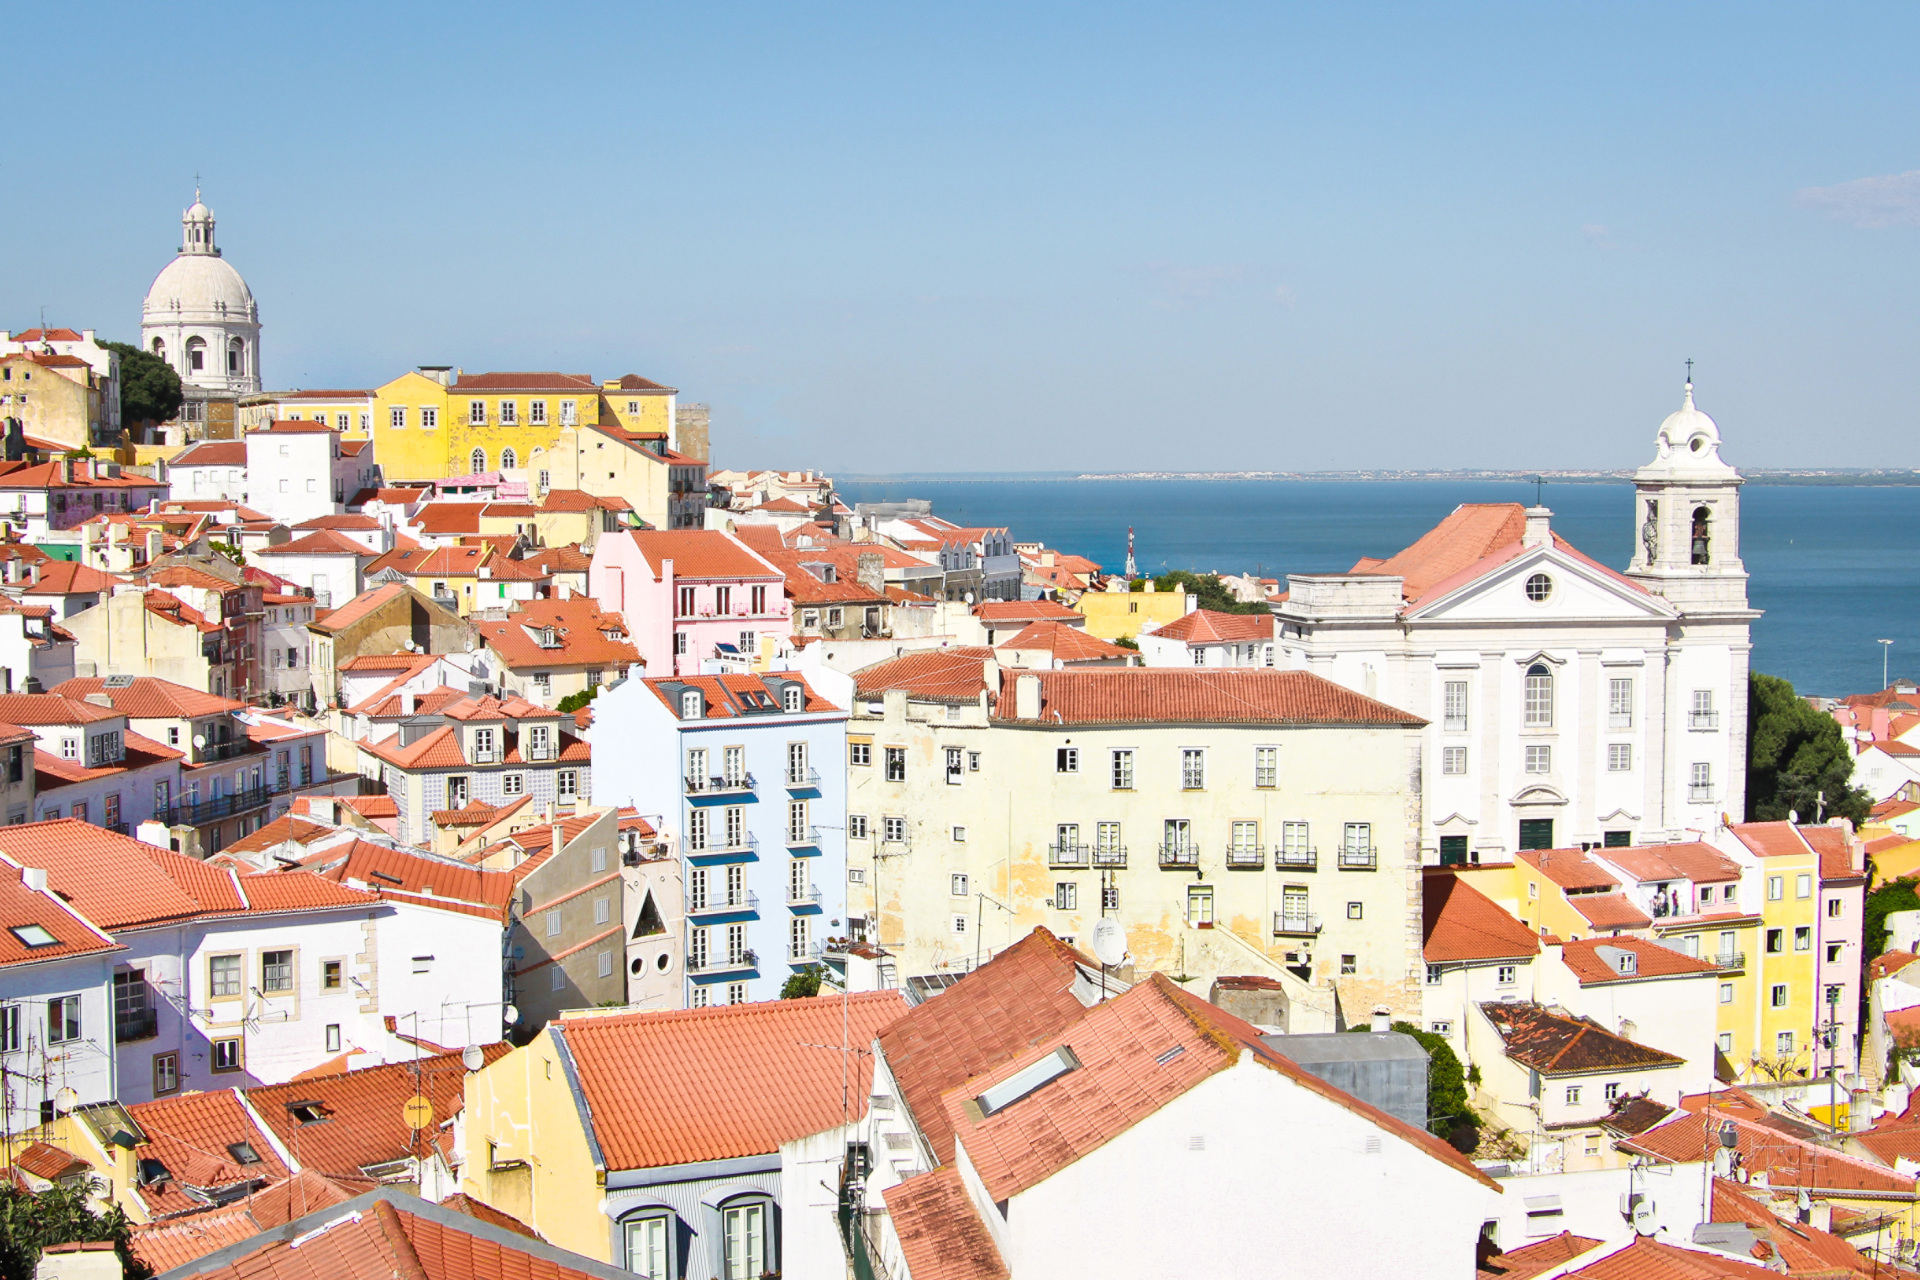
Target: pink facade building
690 596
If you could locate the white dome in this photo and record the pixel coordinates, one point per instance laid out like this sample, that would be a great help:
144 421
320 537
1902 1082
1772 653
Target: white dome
1688 430
199 287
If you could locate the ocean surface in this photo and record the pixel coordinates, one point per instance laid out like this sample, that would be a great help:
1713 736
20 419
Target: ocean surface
1836 568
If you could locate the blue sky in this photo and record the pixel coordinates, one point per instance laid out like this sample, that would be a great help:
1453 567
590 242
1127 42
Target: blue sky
980 237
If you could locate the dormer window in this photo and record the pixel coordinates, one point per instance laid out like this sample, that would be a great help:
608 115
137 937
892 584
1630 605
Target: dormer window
1627 962
791 697
690 704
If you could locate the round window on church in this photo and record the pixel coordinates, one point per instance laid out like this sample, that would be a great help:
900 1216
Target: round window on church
1539 587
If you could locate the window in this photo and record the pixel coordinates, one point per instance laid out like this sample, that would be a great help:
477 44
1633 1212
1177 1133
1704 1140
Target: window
1434 975
553 923
759 598
569 416
857 826
686 602
1779 995
893 830
602 909
276 970
1066 839
1573 1095
959 835
63 1019
1620 702
397 418
744 1229
166 1072
959 924
69 748
1702 715
1453 760
1454 697
1349 964
1123 770
700 998
1725 1041
1700 783
1783 1043
1803 938
896 764
1726 993
1834 908
1358 838
1246 841
508 460
1776 888
1539 759
1803 886
690 704
1355 910
1619 757
224 975
1200 905
605 968
513 784
860 753
1266 766
567 784
799 827
973 762
333 1037
955 765
1775 941
1506 975
226 1055
1066 760
1539 697
477 462
429 417
557 980
1193 769
1539 587
790 697
330 976
1833 953
1066 895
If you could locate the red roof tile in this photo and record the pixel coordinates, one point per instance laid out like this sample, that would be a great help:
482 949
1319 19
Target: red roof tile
1206 626
190 1136
1772 839
700 553
1609 910
1568 868
1696 861
1650 1259
941 1234
1764 1148
1002 612
1553 1044
1065 643
21 908
1461 923
1144 695
50 1164
1804 1249
321 542
728 696
1530 1260
945 674
583 635
712 1084
1888 964
149 697
579 382
187 1236
1468 534
1651 960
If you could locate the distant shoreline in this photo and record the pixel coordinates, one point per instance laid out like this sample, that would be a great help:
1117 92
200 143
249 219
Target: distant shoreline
1876 477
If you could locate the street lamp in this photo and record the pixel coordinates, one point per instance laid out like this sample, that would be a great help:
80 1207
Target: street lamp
1886 647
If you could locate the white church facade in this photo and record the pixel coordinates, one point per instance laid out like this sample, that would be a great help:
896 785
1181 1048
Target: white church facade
200 317
1568 703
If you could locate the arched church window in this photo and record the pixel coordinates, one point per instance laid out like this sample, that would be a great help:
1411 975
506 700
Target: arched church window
196 354
160 348
235 356
507 460
1701 538
478 463
1539 697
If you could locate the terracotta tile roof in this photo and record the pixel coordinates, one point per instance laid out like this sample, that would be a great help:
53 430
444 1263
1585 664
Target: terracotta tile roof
440 562
1067 644
383 868
460 1202
1634 1116
363 523
185 1237
1805 1250
1836 854
47 335
1767 1148
1888 964
563 500
1002 612
728 697
177 611
47 475
941 1234
1903 1025
1530 1260
443 518
1772 839
1568 868
1146 695
431 702
360 607
438 750
372 806
700 553
634 382
1205 626
526 382
585 635
1020 998
280 831
955 675
321 542
51 708
1651 960
49 1163
21 908
361 1120
1461 923
566 559
150 698
1891 1143
713 1084
51 772
1650 1259
488 707
190 1135
1558 1044
386 661
212 453
1128 1070
1468 534
1696 861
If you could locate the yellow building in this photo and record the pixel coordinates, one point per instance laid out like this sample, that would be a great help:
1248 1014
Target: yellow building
54 396
1786 974
1113 614
350 412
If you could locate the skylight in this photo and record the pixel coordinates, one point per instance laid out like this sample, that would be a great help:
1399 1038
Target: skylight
32 935
243 1153
1027 1080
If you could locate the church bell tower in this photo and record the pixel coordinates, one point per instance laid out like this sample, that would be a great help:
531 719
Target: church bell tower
1687 518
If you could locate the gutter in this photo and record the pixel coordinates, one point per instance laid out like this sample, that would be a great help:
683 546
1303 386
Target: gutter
580 1107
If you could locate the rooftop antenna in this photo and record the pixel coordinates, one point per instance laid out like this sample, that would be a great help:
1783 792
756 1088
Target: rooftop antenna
1131 571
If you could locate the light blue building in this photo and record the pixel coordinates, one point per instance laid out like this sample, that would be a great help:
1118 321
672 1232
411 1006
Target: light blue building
750 772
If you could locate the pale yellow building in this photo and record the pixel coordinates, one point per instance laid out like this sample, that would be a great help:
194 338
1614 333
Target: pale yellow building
1235 822
1113 614
56 398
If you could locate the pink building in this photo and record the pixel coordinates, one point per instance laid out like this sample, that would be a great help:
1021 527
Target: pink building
689 595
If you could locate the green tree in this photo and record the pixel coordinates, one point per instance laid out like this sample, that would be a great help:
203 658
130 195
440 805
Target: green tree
1449 1114
1881 903
1212 593
574 701
149 388
58 1215
802 984
1796 758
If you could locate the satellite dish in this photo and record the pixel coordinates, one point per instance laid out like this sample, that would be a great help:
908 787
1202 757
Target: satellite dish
66 1099
511 1014
200 740
1109 941
1643 1224
471 1058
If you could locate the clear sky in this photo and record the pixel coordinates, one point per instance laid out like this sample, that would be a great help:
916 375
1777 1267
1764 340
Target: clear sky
1028 237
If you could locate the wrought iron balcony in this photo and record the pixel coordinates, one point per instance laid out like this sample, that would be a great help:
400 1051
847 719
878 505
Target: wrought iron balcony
807 897
1247 857
193 815
1703 720
1178 856
809 954
223 750
143 1025
803 837
1731 961
1110 855
1700 794
720 846
744 962
738 784
1069 855
747 903
806 779
1285 859
1456 724
1302 924
1359 858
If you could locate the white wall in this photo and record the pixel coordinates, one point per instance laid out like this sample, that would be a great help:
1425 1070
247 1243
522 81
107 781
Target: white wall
1678 1014
1590 1205
39 1070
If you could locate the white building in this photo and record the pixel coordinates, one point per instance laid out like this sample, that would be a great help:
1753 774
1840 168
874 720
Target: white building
326 560
1568 703
209 471
299 471
56 1002
200 317
1205 638
751 773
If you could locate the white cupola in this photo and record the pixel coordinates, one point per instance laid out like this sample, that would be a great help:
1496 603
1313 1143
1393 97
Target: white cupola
1687 517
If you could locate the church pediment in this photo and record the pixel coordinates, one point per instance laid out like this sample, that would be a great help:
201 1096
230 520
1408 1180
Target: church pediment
1544 586
1538 794
1619 815
1457 820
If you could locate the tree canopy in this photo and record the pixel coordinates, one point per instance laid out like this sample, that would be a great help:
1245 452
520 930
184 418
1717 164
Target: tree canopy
574 701
149 388
1796 759
1212 593
802 984
59 1215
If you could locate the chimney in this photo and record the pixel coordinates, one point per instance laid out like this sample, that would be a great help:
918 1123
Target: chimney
35 878
557 841
1537 534
33 573
1382 1019
66 470
870 569
406 702
1026 696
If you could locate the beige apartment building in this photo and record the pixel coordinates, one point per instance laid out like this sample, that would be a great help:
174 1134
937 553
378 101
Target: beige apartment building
1235 822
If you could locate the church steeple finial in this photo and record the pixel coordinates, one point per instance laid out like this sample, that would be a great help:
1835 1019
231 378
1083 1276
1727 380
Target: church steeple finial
196 227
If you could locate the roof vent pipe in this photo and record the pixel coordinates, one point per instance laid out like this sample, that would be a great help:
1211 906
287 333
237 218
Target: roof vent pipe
1382 1019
